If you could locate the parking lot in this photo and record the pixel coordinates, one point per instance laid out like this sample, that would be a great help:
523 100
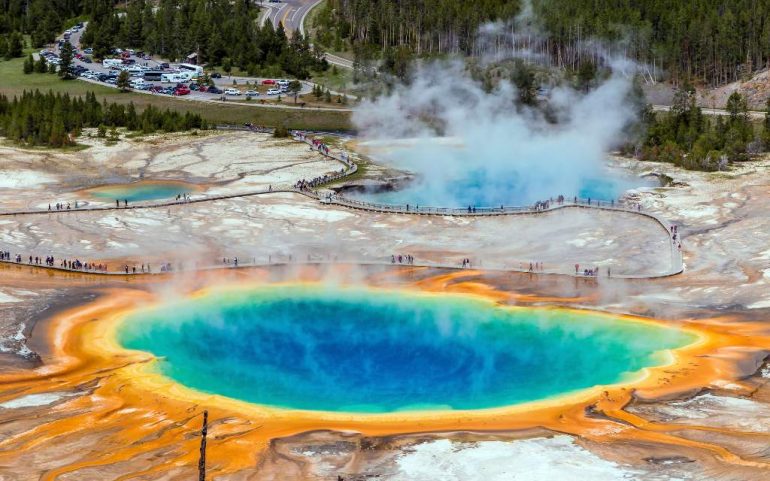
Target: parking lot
225 87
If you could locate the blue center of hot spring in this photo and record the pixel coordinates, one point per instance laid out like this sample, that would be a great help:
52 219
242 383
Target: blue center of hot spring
141 191
373 351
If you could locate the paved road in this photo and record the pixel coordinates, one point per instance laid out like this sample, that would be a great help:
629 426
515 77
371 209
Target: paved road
753 114
293 14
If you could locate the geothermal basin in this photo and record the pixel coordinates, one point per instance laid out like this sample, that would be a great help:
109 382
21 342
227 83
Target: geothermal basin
365 350
142 191
458 172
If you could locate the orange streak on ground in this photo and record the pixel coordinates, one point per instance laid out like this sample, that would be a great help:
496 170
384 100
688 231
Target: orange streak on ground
140 411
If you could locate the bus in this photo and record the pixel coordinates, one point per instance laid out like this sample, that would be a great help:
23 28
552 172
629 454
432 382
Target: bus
188 67
171 78
153 75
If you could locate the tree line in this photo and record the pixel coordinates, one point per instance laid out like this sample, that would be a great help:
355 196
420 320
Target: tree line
220 32
55 120
686 137
42 20
708 41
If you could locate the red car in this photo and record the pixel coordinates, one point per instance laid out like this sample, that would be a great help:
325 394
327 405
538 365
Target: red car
268 82
182 91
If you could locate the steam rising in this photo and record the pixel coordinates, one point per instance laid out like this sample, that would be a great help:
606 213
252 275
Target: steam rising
493 152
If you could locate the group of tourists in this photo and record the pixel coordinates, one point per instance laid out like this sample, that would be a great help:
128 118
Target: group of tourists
62 206
590 272
117 203
317 144
308 185
535 266
675 237
184 197
466 263
401 259
77 265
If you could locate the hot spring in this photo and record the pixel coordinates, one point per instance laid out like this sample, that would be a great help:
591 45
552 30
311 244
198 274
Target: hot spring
140 191
457 173
375 351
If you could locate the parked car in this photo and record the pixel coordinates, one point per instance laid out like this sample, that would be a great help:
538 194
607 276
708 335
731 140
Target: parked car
252 93
163 65
87 60
183 90
215 90
203 88
215 75
88 51
268 82
232 91
273 92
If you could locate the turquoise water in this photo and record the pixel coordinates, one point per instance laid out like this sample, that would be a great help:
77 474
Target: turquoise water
482 191
141 191
377 351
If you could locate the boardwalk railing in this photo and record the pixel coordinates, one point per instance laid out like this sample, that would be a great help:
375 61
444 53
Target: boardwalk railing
477 211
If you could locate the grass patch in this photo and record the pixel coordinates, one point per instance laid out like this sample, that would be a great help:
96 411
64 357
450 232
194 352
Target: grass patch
335 78
14 83
363 166
42 148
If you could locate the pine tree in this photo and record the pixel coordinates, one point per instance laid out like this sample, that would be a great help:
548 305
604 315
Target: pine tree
29 65
65 62
15 46
40 65
124 81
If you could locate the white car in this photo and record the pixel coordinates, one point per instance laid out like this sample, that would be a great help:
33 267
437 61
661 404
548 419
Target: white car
232 92
252 93
273 92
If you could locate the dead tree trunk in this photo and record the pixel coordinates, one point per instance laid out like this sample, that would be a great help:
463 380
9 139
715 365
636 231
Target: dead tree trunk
202 460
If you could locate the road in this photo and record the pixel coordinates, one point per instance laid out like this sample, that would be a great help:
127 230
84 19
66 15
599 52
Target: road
292 13
753 114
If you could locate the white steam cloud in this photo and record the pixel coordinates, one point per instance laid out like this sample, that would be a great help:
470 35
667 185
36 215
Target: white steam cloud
491 152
